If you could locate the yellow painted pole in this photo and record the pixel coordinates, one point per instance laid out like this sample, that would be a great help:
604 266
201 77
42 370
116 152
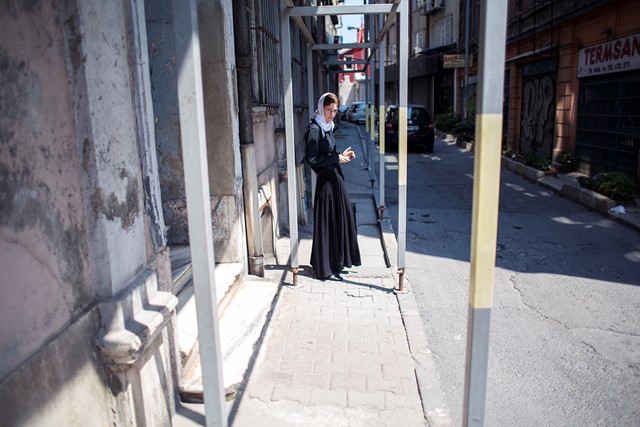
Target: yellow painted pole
403 83
486 192
381 136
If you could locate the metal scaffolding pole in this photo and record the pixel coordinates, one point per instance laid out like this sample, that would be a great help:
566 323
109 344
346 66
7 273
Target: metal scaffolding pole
381 141
486 185
196 176
372 74
311 112
466 59
285 36
402 139
367 165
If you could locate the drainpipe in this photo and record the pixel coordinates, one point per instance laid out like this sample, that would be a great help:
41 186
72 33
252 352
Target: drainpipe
466 60
242 42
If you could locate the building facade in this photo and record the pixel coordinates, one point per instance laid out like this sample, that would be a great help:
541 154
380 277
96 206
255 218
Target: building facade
433 29
350 88
573 73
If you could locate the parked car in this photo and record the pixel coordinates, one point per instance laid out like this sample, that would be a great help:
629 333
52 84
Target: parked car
420 133
342 112
356 112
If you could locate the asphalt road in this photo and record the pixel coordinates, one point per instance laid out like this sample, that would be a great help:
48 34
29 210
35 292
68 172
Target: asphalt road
565 324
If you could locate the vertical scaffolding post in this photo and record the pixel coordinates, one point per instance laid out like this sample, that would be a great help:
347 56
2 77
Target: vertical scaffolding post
312 103
366 106
372 74
466 59
196 175
285 44
402 138
381 141
486 185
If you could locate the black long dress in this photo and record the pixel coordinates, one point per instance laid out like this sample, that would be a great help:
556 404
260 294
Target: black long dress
335 236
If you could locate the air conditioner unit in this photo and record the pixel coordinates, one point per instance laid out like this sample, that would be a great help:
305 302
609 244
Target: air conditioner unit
433 6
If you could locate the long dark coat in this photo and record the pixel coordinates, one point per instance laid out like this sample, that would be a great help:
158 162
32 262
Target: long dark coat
335 236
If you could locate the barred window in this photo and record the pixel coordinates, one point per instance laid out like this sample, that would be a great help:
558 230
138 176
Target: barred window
265 37
298 67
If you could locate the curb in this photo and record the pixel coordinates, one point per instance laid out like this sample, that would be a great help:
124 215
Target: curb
372 175
433 400
450 139
574 192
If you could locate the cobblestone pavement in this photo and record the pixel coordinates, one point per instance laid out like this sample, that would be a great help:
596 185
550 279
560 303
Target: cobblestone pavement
336 353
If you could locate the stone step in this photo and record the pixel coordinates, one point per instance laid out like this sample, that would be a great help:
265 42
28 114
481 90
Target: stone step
227 278
241 326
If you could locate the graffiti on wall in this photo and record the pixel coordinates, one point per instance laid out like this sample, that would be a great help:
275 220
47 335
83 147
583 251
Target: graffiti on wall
538 112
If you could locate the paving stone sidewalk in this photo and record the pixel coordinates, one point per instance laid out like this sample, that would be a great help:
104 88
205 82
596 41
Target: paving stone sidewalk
336 353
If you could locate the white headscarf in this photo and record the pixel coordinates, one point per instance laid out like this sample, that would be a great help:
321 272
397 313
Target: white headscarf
319 116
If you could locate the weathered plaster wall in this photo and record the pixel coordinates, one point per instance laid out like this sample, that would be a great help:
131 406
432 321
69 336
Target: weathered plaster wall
265 123
108 140
45 394
220 99
264 134
221 125
46 279
73 236
164 71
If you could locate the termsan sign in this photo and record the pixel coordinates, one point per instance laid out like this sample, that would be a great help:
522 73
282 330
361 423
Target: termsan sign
610 57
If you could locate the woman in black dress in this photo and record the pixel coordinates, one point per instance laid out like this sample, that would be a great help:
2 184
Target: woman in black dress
335 237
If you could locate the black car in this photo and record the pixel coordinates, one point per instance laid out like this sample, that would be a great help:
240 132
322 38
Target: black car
419 128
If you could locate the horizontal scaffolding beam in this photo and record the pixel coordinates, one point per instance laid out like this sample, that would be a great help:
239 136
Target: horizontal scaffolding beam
353 62
345 72
388 22
338 46
365 9
303 27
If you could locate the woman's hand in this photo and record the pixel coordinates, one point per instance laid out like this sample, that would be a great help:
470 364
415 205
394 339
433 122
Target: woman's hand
347 155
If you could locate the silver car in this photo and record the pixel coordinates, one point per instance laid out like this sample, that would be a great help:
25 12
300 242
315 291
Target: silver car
356 112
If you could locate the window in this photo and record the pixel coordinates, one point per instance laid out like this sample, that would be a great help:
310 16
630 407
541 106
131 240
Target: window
608 129
441 31
348 66
392 53
265 35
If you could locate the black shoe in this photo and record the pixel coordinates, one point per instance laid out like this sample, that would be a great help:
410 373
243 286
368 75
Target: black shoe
333 278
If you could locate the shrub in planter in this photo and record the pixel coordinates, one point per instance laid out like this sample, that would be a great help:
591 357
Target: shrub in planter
445 122
566 160
535 160
466 130
614 185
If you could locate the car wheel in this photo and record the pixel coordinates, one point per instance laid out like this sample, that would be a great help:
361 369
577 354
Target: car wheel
428 147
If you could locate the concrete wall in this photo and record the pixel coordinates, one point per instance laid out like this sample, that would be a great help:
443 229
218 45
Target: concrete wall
56 389
265 123
47 278
221 124
221 119
85 328
164 69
